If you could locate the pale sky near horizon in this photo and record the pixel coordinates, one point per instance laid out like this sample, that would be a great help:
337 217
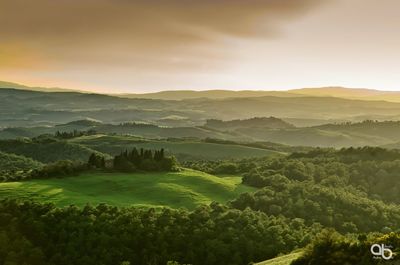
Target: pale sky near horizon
121 46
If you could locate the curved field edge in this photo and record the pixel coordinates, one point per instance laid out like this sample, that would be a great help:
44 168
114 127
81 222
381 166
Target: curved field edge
282 260
187 188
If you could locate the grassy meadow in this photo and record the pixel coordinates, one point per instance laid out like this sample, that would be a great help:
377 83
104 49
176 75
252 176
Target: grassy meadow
282 260
187 188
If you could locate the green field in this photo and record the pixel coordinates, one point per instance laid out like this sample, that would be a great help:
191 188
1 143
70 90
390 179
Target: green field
187 188
195 149
282 260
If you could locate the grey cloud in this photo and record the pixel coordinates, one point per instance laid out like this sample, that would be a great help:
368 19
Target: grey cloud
115 29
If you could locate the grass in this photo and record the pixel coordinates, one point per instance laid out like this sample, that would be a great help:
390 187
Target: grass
187 188
282 260
190 148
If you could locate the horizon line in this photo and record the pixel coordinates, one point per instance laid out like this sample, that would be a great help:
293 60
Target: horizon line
63 89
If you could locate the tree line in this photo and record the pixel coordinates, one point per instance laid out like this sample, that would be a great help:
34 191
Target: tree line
74 134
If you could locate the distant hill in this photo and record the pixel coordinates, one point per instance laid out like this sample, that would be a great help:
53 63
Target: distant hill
137 129
332 91
46 152
211 94
340 92
4 84
25 113
83 123
372 133
183 149
350 93
389 130
22 108
259 122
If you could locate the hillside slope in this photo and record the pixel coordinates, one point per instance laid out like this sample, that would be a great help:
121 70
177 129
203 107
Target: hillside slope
46 152
12 162
257 122
183 149
187 188
282 260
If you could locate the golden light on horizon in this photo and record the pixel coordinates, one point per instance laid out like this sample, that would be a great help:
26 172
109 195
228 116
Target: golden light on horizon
137 46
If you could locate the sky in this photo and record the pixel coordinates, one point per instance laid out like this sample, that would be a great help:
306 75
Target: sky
138 46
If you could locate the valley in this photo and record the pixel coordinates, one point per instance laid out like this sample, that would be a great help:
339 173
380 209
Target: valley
272 178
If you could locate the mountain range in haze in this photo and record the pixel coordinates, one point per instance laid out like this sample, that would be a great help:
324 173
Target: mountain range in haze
310 117
333 91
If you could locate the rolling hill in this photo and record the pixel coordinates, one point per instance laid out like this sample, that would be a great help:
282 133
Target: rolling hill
350 93
333 91
257 122
330 91
4 84
32 108
211 94
271 129
183 149
26 113
46 152
187 188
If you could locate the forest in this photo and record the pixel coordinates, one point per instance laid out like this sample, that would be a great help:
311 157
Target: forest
311 198
38 234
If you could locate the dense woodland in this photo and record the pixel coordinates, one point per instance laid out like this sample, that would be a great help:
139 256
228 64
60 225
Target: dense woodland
352 192
329 247
39 234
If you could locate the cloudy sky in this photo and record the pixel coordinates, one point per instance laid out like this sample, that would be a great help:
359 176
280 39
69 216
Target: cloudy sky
152 45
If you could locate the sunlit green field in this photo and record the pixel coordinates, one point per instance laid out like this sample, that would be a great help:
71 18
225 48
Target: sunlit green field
187 188
282 260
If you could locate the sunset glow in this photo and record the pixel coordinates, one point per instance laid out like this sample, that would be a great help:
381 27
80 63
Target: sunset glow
136 46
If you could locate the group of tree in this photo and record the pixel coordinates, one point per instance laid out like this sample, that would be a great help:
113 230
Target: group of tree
41 234
351 190
144 160
74 134
344 209
373 171
59 169
96 161
14 167
231 166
